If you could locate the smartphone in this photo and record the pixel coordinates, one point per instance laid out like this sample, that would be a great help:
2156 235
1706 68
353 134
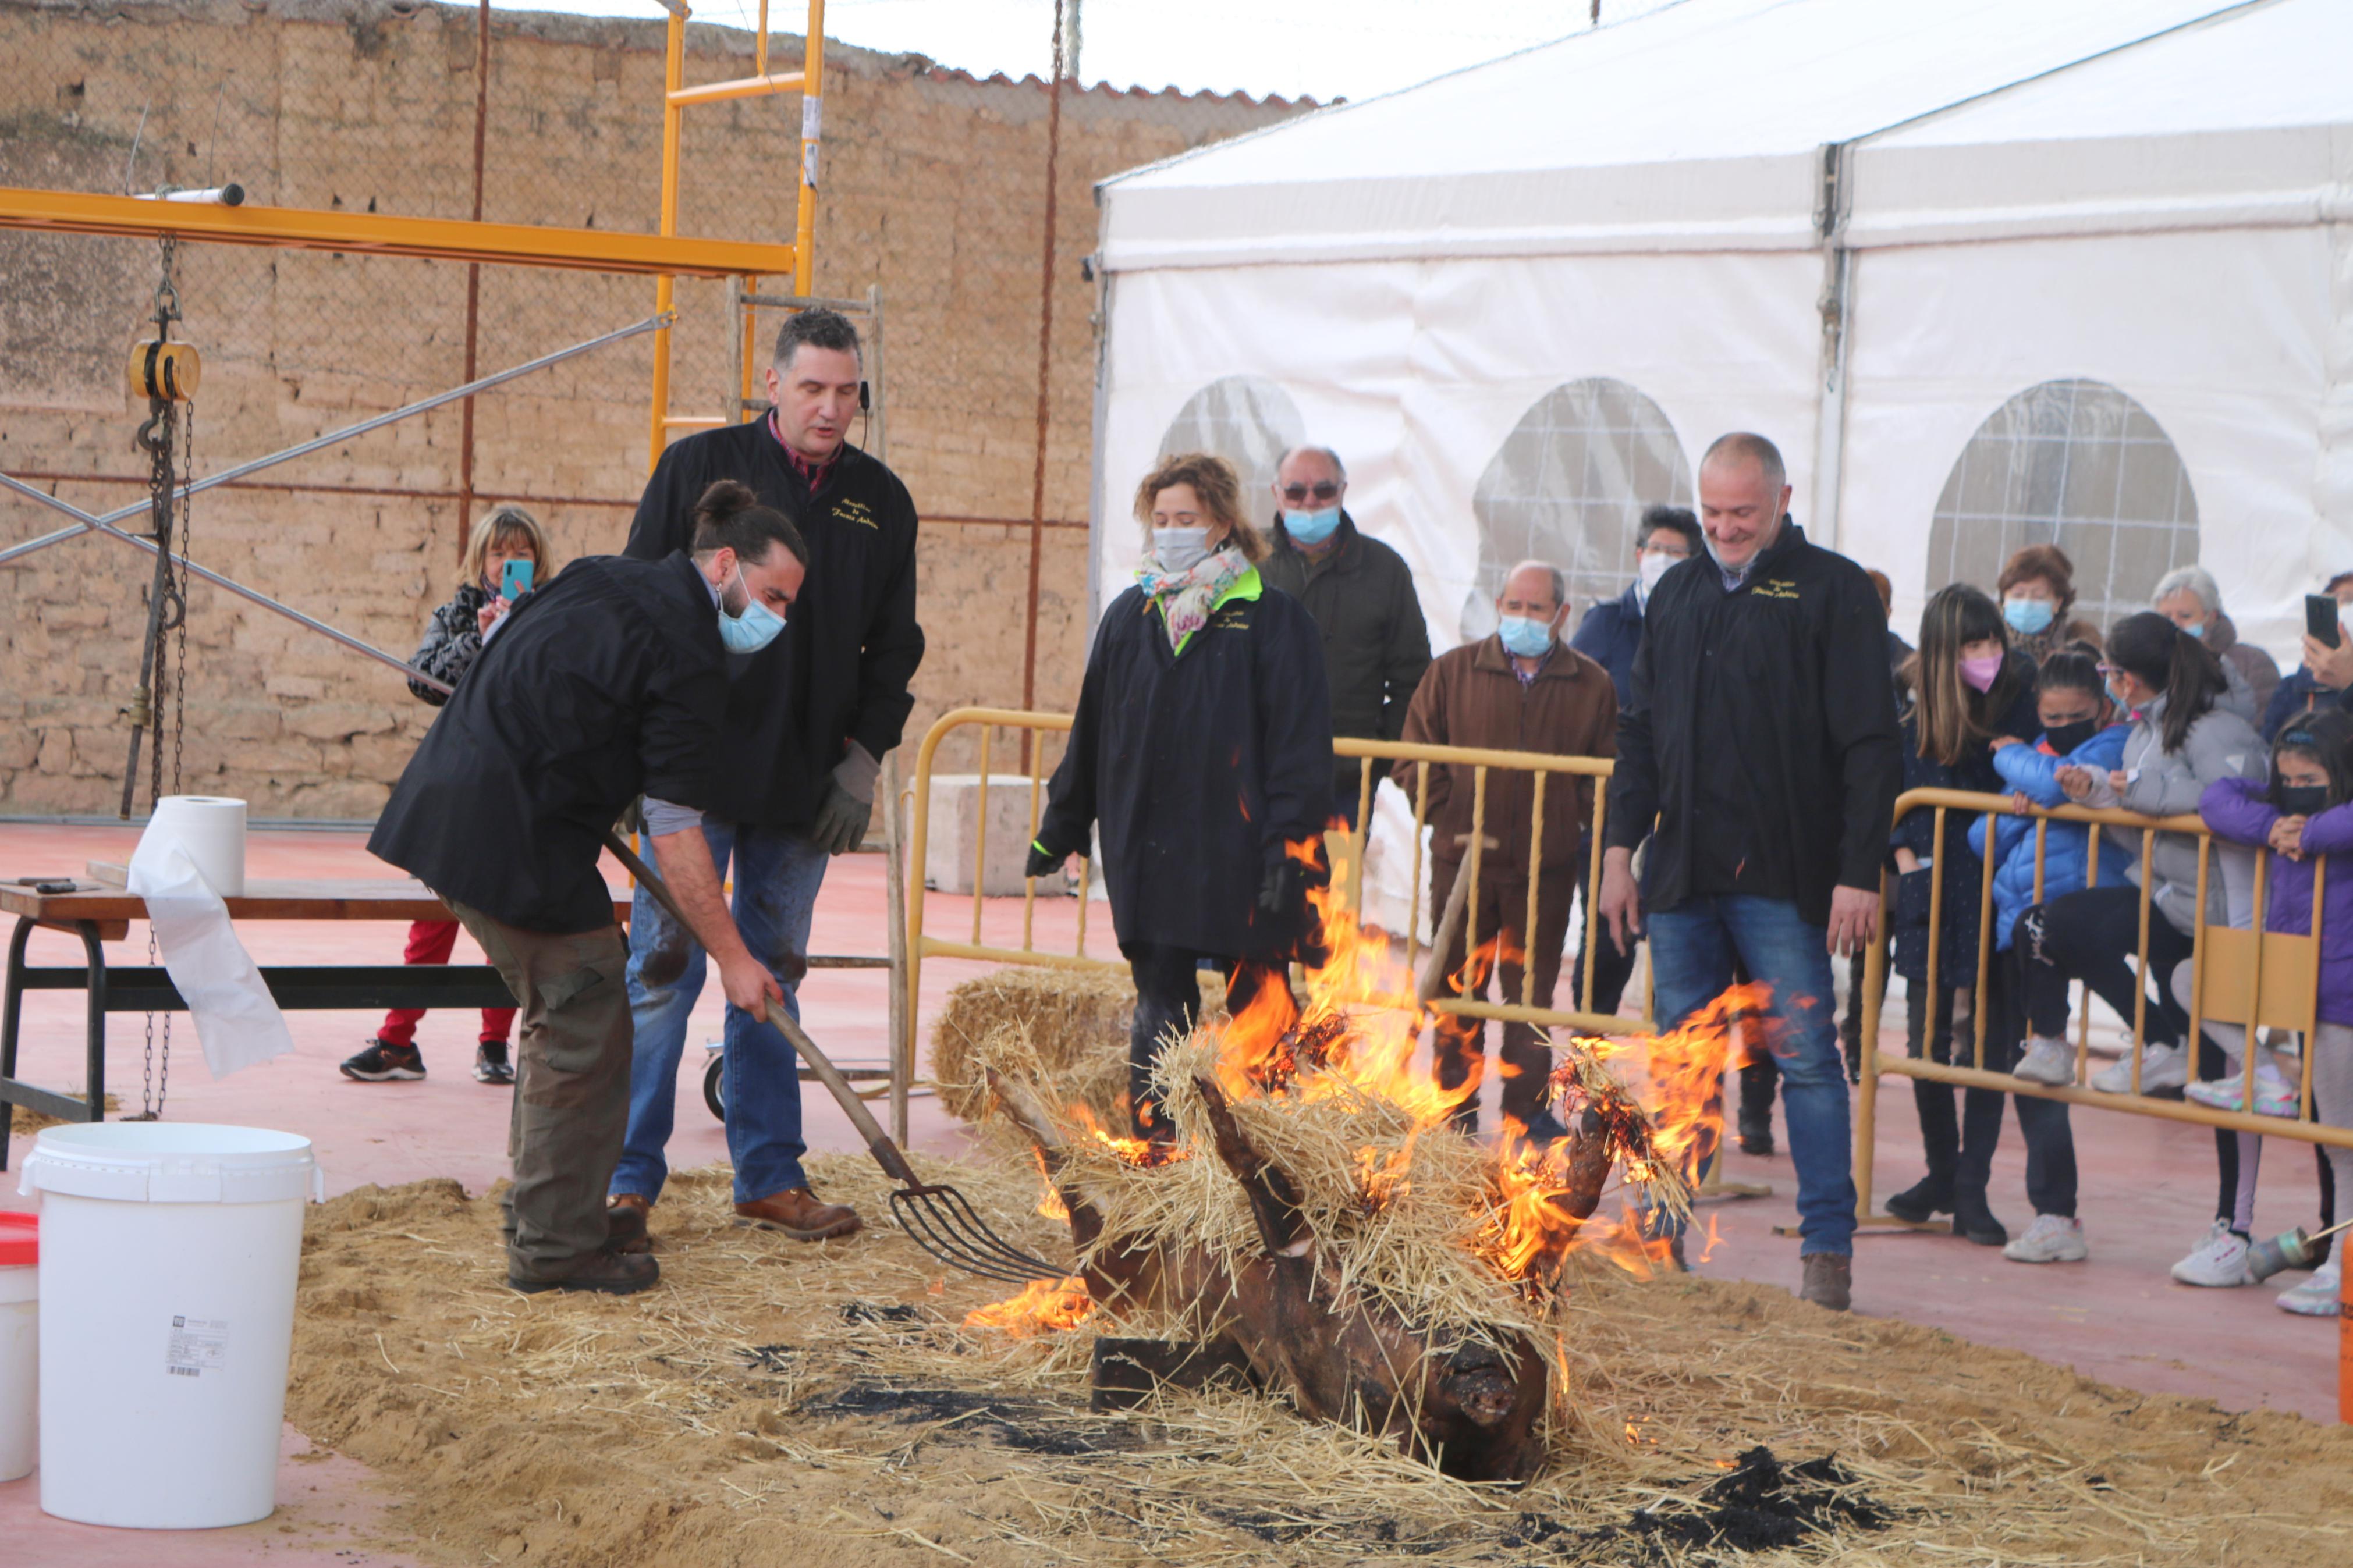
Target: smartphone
514 582
2320 619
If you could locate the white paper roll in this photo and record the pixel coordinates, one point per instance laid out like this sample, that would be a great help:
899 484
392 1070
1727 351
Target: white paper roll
211 828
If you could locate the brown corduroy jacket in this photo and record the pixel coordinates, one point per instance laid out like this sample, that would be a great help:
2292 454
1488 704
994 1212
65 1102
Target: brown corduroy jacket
1471 698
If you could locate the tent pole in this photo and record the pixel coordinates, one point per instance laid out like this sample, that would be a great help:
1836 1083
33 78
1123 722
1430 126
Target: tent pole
1837 304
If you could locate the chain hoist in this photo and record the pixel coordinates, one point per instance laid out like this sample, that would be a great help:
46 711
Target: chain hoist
166 373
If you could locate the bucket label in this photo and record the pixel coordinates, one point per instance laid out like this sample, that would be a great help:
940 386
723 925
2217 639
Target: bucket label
197 1345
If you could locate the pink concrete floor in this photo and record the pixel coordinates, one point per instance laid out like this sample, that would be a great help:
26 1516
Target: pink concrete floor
2148 1185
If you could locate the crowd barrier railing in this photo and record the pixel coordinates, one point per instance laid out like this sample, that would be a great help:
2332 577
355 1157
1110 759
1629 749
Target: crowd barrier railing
2243 976
1034 727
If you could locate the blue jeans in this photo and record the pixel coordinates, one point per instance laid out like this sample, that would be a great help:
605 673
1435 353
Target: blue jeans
1691 949
778 875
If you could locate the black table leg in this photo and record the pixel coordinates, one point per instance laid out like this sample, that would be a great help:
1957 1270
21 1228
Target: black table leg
93 1106
12 1005
94 1072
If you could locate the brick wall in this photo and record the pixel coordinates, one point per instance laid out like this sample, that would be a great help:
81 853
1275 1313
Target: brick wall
933 186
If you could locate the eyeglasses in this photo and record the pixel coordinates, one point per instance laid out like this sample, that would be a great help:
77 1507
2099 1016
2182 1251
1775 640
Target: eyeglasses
1294 494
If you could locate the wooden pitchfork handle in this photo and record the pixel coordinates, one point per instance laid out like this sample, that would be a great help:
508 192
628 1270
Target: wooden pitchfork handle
878 1142
1432 982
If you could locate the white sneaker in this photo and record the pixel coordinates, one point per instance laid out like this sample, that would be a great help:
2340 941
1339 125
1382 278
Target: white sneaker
2051 1238
2274 1095
2316 1297
2046 1061
2220 1259
2161 1068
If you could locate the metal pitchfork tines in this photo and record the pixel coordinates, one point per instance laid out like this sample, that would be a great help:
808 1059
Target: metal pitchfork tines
940 1219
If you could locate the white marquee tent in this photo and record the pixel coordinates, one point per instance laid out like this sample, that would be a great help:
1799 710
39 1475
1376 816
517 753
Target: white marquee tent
1990 271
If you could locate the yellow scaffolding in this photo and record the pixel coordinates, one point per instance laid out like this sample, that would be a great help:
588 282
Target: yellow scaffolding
665 255
809 82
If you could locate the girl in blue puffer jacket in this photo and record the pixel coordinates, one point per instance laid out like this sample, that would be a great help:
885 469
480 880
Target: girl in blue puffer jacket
2078 731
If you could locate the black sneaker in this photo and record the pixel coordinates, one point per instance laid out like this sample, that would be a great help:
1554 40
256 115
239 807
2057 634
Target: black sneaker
490 1063
381 1063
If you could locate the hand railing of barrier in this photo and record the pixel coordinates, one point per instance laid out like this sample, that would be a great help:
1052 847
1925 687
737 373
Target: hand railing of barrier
1995 807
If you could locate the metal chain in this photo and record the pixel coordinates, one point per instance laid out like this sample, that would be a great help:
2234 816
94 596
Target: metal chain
171 639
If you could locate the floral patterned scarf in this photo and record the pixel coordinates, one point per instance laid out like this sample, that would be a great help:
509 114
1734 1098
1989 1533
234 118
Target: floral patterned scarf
1185 598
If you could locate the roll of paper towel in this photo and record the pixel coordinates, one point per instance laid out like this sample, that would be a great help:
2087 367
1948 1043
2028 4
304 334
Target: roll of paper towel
211 828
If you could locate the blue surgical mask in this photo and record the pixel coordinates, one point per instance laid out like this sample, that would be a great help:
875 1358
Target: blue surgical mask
1311 527
2197 631
751 628
1524 637
2026 616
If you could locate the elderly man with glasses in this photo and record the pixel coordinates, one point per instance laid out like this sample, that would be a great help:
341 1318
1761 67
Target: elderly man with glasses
1360 593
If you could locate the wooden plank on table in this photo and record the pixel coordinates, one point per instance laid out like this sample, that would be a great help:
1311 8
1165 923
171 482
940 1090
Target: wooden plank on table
108 872
265 899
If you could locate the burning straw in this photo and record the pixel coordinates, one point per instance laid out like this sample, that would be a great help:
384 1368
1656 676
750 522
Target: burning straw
1466 1236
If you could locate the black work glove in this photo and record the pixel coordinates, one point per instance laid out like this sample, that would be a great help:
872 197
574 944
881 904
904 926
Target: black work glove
843 816
1042 861
1282 894
841 820
1285 913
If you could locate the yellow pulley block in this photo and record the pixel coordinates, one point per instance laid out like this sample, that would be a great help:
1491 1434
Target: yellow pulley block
165 370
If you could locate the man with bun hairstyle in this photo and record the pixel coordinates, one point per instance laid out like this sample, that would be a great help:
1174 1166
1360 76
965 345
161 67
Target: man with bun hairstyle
608 684
808 719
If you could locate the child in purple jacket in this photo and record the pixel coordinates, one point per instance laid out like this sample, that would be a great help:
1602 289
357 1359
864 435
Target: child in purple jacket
2303 814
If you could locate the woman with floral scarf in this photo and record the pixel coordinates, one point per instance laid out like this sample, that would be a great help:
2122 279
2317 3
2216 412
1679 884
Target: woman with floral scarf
1202 748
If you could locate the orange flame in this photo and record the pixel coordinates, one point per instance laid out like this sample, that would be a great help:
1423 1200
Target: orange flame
1050 1197
1143 1152
1358 1033
1044 1307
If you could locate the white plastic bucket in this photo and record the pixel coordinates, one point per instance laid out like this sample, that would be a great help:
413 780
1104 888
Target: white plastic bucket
19 1335
169 1254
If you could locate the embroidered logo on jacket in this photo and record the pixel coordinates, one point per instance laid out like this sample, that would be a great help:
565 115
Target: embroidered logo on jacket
851 510
1776 588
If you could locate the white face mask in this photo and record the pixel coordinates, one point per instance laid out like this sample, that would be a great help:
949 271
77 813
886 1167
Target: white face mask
1652 565
1176 550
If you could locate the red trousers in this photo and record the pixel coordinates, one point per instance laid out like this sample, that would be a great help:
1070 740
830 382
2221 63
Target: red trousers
432 942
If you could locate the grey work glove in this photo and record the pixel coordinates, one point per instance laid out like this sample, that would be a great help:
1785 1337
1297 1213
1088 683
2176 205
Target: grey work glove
843 816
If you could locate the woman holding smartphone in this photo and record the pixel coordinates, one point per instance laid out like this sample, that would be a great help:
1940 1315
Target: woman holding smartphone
507 552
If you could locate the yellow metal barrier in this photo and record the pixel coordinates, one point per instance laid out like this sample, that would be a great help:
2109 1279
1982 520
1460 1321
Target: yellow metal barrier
920 944
2219 954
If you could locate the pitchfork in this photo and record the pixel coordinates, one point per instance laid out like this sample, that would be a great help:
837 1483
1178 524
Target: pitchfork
941 1219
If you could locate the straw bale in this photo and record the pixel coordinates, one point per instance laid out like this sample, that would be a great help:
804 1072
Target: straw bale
1075 1044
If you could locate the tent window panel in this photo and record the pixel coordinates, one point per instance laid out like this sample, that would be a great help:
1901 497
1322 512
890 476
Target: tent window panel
1567 486
2080 465
1247 421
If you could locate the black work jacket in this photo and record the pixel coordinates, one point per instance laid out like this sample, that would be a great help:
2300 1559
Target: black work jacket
1376 643
1759 732
1609 633
840 669
606 684
1198 766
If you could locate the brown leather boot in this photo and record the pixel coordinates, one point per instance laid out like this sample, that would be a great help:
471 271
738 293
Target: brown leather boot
613 1273
797 1213
625 1223
1828 1279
